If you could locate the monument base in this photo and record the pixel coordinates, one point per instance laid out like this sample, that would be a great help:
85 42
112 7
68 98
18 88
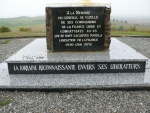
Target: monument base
122 58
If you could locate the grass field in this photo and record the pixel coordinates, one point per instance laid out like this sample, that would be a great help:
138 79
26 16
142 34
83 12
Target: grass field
129 33
21 34
37 26
15 23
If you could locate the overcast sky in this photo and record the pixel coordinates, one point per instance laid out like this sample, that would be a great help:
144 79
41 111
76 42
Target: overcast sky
123 8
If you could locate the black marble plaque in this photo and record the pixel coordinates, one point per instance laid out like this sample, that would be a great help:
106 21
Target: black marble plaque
78 28
76 67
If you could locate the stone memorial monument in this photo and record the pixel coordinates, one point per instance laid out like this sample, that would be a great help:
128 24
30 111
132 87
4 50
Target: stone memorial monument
76 53
78 41
78 28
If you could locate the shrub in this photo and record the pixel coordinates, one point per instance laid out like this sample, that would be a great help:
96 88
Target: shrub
114 20
133 28
113 28
25 29
4 29
125 22
121 28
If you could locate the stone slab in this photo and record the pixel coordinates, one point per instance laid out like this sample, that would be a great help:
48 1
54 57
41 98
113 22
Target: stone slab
36 60
78 28
77 67
73 81
36 52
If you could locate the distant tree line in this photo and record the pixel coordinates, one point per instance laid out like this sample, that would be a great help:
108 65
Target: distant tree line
115 20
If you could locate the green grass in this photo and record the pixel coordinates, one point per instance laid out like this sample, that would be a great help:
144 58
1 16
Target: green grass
127 26
5 42
129 33
5 102
43 34
37 25
21 34
141 30
15 23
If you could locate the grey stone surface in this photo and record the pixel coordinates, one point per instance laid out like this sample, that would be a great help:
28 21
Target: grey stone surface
80 101
35 51
79 81
38 53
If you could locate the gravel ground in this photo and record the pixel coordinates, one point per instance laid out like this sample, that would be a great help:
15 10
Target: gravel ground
142 45
81 101
9 46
